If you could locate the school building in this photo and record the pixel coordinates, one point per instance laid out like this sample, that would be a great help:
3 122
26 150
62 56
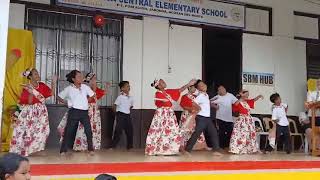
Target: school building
264 46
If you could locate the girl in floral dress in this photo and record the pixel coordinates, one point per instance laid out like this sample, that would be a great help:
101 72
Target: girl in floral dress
187 121
243 137
80 143
164 137
31 128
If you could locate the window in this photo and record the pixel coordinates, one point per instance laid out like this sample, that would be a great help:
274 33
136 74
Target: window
69 41
258 20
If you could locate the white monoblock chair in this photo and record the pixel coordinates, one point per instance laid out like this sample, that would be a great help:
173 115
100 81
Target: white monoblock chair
296 133
267 122
303 116
306 145
262 133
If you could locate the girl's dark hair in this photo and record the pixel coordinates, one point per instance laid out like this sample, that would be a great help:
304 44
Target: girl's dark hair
274 97
153 84
105 177
155 87
197 83
30 74
72 75
123 83
10 163
89 77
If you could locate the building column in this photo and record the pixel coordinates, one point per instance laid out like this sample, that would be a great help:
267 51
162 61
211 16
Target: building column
4 19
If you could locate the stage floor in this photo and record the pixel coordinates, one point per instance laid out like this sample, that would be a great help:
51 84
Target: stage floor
122 156
134 165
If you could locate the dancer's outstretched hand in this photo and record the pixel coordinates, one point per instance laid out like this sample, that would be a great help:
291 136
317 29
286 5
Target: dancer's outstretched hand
192 82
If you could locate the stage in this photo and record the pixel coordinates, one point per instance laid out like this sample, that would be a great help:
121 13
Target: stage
201 165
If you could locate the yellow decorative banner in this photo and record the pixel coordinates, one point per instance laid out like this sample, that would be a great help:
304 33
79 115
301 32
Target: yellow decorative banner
312 84
20 56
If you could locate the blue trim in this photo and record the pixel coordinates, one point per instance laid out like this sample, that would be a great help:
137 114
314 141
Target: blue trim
142 14
256 73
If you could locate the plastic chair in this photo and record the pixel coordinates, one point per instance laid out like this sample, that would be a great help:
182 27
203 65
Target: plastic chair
259 134
266 122
294 132
306 145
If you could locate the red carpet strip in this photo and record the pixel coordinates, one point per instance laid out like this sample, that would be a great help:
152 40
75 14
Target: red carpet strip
96 168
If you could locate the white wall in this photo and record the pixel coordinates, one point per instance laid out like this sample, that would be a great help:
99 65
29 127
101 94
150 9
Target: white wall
150 47
132 58
286 58
257 52
4 16
184 58
155 56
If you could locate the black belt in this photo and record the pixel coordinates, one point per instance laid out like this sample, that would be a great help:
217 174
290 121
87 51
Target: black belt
73 109
122 113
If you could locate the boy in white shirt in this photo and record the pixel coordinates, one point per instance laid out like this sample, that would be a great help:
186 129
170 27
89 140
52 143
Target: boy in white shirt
122 107
203 121
223 104
77 99
279 115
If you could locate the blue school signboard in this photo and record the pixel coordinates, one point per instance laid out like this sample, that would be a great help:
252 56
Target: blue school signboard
253 78
197 11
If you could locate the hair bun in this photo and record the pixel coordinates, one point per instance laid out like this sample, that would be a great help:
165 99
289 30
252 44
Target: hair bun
27 72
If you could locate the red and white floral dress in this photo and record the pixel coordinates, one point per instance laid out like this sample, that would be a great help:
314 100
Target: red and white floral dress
188 123
31 128
80 143
243 137
164 137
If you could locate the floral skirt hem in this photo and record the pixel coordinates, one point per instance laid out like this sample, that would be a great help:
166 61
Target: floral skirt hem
164 137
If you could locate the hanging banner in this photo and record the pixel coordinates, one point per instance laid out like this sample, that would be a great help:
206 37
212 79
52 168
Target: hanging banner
263 79
197 11
20 56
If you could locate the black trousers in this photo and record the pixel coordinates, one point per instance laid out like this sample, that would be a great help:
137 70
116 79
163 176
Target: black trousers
225 131
285 132
213 113
74 117
204 124
123 123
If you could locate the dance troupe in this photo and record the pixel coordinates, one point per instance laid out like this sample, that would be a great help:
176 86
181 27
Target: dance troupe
80 128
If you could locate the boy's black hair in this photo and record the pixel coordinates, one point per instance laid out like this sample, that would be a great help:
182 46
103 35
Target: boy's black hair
220 85
72 75
123 83
10 163
105 177
274 97
197 83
